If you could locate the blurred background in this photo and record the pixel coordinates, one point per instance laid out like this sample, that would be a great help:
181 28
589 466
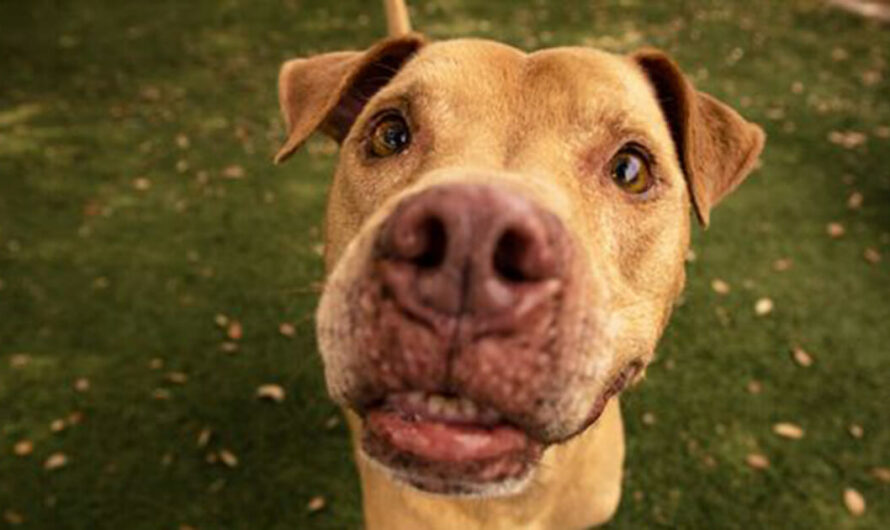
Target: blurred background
158 274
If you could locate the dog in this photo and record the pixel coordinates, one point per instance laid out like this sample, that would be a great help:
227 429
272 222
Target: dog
505 239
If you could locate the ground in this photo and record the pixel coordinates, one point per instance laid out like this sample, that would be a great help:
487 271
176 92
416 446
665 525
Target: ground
150 253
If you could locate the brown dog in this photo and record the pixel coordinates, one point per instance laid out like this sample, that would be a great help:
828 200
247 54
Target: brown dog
505 239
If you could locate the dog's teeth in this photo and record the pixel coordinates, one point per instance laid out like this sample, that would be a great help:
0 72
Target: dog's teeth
436 404
468 408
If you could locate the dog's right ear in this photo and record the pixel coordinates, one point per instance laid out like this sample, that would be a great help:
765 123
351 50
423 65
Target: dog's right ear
327 92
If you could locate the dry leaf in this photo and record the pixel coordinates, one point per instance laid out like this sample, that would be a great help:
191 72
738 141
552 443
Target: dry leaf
229 347
332 422
882 131
691 256
271 392
141 184
228 458
204 437
648 418
74 418
161 394
801 357
782 265
234 331
835 230
82 384
719 286
872 255
847 139
854 501
757 461
315 504
233 172
23 448
882 474
19 360
13 517
754 387
177 378
182 141
156 364
55 461
287 329
763 307
57 425
855 201
788 430
221 320
856 431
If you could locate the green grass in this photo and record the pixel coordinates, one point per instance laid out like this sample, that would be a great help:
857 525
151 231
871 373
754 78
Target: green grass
99 277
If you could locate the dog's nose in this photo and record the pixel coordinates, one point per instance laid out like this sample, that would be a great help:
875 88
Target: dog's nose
469 248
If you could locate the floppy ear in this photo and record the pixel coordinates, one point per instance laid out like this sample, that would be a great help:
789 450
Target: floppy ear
327 92
716 147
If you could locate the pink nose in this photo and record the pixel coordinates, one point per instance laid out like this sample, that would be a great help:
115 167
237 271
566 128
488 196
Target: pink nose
469 249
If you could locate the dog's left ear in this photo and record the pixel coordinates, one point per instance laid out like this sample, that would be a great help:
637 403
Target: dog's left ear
717 148
328 91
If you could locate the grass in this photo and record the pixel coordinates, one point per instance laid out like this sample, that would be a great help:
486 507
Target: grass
123 235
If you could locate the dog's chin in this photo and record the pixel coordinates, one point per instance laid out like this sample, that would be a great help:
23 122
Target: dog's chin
453 446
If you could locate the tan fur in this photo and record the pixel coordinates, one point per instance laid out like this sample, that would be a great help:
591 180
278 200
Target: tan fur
544 125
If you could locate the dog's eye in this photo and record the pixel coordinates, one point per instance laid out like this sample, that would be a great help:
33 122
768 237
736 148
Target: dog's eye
630 170
390 136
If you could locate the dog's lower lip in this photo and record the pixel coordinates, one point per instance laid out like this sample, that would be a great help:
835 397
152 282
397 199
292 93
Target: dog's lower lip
439 441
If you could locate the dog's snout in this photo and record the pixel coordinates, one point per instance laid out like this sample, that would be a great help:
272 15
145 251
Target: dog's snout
467 248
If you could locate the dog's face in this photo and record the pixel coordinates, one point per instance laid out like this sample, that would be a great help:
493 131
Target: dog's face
505 239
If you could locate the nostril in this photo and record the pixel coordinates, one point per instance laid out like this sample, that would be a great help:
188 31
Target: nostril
434 243
510 254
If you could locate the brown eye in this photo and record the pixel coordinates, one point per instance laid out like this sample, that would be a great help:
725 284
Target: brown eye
630 171
390 136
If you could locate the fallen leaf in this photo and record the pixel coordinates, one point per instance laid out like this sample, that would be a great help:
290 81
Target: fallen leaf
204 437
754 387
882 474
234 331
271 392
55 461
19 360
856 431
74 418
872 255
161 394
156 363
182 141
835 230
763 307
782 265
233 172
287 329
648 418
150 93
23 448
177 378
229 347
82 384
854 501
228 458
801 357
847 139
882 131
315 504
855 201
141 184
788 430
57 425
332 422
757 461
719 286
13 517
691 256
221 320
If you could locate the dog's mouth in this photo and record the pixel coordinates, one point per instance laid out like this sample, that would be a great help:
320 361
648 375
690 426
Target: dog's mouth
448 445
455 446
